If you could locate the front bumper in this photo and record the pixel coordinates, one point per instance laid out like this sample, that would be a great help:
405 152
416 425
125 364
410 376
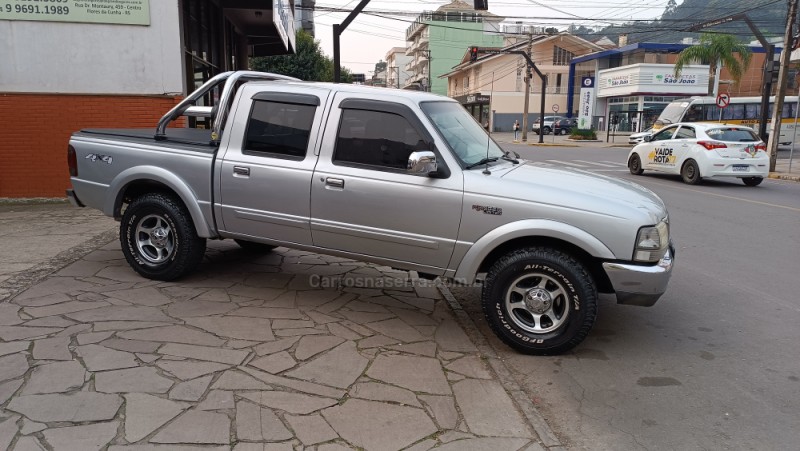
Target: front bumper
640 285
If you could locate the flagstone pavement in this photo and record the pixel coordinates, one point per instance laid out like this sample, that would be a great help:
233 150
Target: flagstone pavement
286 350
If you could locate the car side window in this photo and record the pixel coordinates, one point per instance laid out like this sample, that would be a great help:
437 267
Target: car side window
664 135
279 130
374 138
685 133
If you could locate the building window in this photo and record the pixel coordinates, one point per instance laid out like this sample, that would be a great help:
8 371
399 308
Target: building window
466 83
561 57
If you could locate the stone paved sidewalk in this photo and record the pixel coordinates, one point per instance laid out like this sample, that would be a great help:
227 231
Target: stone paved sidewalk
282 351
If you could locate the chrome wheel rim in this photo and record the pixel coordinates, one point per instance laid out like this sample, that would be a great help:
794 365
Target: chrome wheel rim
537 303
155 239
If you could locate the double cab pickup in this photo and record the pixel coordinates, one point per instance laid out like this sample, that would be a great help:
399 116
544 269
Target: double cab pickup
401 178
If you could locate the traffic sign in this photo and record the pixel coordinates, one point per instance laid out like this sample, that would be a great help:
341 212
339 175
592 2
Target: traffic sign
723 100
555 108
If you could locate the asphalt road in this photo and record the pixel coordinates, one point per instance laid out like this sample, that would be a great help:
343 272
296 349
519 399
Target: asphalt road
715 363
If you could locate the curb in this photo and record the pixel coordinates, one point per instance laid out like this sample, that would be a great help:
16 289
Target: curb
504 375
781 176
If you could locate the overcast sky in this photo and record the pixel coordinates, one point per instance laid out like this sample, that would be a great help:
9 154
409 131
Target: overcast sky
369 38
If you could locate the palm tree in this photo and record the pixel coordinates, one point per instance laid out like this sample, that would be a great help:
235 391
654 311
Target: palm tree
715 49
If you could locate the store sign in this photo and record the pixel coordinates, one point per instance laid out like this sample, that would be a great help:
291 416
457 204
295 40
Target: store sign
586 105
121 12
688 79
284 21
619 80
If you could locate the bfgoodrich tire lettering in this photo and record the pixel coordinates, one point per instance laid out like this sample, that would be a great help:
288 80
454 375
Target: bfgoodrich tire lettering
539 301
158 238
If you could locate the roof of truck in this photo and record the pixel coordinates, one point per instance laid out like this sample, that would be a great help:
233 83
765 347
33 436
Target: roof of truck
416 96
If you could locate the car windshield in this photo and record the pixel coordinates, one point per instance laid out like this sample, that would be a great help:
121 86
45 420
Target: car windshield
673 112
465 136
732 135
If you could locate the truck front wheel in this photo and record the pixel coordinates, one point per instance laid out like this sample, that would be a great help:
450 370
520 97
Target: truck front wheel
158 238
539 300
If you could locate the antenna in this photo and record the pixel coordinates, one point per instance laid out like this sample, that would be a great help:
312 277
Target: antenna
486 170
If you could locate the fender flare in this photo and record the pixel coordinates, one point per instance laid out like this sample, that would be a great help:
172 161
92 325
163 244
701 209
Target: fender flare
156 174
471 262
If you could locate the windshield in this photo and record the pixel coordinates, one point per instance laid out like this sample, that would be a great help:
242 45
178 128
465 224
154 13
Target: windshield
673 112
466 138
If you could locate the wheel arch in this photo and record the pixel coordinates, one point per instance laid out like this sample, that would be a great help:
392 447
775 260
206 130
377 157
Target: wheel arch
136 181
569 239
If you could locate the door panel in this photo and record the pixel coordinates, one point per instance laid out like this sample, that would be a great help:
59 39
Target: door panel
265 175
364 203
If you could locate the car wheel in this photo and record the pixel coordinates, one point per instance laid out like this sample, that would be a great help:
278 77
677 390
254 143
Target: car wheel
539 300
546 130
690 173
252 246
752 181
635 165
158 237
563 131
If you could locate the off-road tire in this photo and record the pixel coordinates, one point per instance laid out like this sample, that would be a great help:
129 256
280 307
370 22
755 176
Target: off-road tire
752 181
635 165
690 173
176 251
572 310
252 246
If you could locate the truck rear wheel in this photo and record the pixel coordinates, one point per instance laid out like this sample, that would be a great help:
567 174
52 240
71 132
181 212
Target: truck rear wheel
158 237
539 301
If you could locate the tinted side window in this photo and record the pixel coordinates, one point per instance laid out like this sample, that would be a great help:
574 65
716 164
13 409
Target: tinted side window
279 130
376 138
685 133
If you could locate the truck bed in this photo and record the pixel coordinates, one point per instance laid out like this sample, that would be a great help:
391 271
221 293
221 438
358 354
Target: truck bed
181 138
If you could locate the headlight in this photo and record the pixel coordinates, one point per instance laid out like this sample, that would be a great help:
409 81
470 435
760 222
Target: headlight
651 242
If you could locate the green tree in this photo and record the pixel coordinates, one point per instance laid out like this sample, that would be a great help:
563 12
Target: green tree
307 63
715 49
380 66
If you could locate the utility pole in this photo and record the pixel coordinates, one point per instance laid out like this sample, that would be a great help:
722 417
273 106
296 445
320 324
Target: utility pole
338 29
527 94
777 112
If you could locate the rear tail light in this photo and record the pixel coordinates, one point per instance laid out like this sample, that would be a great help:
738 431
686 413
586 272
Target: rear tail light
711 145
72 161
761 146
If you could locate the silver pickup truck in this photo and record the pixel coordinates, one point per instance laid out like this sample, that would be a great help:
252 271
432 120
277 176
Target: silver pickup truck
401 178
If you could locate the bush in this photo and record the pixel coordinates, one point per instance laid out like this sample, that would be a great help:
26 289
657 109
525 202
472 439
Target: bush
579 134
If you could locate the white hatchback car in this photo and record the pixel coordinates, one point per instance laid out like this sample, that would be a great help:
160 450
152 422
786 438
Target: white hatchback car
703 150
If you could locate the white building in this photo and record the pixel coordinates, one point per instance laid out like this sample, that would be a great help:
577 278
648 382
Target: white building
396 62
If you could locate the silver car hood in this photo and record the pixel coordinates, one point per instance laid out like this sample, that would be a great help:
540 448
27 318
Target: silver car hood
573 189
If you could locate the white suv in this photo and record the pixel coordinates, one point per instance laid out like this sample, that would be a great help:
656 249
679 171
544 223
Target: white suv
548 124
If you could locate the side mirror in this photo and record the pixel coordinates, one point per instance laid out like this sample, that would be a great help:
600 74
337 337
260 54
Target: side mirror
648 138
422 162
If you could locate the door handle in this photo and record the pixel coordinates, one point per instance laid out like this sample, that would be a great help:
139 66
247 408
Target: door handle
336 183
241 170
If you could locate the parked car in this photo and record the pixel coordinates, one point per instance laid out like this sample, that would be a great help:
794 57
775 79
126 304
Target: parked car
548 124
699 150
564 126
638 137
400 178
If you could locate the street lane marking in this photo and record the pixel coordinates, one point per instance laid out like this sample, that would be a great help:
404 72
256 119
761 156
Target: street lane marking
725 196
597 163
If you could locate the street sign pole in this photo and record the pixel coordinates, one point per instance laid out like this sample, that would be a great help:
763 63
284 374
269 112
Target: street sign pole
723 100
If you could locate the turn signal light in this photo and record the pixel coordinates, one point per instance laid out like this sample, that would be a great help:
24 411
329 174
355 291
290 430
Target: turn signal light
711 145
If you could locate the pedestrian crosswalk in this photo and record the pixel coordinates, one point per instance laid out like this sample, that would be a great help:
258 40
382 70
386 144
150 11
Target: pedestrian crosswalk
600 165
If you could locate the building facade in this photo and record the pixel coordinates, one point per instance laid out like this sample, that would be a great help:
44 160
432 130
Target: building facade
493 87
631 85
122 66
438 39
396 62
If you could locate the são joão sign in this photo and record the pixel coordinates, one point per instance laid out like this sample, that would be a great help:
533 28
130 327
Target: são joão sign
125 12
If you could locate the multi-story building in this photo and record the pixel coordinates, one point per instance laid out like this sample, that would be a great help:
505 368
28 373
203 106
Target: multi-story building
496 82
396 62
438 39
115 63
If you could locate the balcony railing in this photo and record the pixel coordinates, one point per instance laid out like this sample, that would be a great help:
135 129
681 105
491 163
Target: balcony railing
441 16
